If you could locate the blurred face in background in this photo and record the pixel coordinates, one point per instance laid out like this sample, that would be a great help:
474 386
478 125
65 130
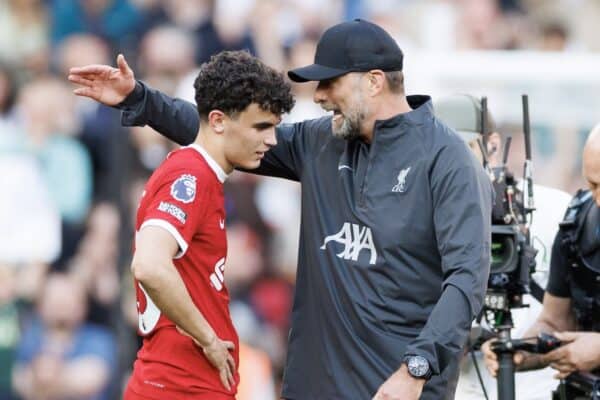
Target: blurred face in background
80 50
47 107
62 303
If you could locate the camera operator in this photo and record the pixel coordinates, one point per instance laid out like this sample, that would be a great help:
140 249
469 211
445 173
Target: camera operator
571 307
463 113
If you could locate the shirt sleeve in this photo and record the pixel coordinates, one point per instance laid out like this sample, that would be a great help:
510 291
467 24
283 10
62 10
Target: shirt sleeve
462 201
177 206
557 282
176 119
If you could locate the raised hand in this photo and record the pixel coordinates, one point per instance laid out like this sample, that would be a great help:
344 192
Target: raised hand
104 83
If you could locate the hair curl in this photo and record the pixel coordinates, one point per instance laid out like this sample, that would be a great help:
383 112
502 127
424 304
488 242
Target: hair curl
232 80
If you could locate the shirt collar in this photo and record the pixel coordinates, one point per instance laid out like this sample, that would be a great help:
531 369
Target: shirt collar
221 175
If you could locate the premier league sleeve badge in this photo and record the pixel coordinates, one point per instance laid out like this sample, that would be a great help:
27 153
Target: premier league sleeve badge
184 188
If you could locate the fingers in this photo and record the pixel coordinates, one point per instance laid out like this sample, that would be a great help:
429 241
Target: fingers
123 66
490 358
230 378
94 69
226 375
518 358
86 92
566 336
231 362
79 80
563 370
561 375
563 366
229 345
224 378
556 355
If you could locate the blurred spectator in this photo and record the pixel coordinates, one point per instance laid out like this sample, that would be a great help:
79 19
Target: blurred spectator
24 34
95 264
100 128
26 207
60 357
167 54
9 328
30 222
302 53
210 23
483 26
8 93
47 116
554 37
116 21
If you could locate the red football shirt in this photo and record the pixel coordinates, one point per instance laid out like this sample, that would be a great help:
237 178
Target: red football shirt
185 197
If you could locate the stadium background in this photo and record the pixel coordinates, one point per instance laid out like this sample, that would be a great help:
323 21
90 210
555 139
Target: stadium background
71 176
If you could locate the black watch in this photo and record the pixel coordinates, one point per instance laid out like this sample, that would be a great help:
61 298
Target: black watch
418 366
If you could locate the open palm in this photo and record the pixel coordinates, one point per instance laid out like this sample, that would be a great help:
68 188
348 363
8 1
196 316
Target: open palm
104 83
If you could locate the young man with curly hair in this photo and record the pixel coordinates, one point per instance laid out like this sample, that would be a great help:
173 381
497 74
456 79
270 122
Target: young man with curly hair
190 346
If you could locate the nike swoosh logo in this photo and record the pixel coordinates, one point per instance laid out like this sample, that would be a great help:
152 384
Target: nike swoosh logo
222 223
341 167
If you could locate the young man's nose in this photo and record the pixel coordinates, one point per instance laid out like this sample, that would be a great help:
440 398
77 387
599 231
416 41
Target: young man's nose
271 138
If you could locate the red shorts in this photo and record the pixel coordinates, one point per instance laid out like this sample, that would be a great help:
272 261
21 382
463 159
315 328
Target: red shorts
131 395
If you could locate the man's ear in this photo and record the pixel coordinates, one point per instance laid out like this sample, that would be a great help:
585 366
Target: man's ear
216 120
376 81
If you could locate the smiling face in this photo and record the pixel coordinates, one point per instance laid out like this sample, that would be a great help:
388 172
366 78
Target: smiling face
345 97
248 136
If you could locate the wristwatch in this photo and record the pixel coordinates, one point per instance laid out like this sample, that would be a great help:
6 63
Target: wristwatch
418 367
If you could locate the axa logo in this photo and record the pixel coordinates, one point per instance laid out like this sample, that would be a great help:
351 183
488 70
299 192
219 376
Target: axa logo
355 238
400 187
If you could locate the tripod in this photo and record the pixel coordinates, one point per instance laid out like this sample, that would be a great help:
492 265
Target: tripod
505 347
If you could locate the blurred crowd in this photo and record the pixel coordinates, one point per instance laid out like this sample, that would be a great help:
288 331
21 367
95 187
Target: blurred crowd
71 176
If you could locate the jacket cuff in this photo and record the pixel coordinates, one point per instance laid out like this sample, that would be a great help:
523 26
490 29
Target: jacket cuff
135 97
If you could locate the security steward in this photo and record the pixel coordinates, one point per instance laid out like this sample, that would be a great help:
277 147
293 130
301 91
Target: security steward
571 306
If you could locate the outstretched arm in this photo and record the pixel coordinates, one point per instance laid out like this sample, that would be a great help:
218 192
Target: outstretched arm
176 119
104 83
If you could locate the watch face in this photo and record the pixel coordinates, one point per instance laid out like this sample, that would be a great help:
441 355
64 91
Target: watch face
418 366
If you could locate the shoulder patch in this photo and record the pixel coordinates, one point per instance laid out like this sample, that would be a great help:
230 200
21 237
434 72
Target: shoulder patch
172 209
184 188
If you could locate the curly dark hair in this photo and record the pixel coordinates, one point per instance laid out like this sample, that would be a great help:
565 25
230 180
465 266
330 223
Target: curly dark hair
232 80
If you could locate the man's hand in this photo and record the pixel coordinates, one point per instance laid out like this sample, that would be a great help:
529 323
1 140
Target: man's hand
218 354
491 358
104 83
580 352
400 386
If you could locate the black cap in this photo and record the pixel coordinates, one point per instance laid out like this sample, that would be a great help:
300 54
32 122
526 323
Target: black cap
354 46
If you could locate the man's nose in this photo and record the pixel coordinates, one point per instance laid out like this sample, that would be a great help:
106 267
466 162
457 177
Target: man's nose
320 95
